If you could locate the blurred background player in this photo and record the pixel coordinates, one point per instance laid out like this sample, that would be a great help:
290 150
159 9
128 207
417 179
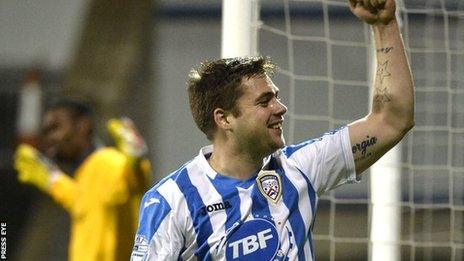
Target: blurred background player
99 187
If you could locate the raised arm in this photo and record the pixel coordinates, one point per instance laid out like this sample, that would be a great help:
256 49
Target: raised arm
35 169
130 142
392 112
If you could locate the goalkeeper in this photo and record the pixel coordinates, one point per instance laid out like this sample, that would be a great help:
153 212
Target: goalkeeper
104 192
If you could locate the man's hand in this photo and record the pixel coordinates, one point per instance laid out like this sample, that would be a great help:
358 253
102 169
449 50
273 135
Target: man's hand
373 11
33 167
128 140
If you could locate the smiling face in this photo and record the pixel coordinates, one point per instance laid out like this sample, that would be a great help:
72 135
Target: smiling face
258 127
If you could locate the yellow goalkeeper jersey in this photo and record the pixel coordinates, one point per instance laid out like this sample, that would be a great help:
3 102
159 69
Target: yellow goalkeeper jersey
103 200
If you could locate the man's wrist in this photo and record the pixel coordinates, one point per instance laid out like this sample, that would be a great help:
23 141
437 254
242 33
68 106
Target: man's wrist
379 26
54 175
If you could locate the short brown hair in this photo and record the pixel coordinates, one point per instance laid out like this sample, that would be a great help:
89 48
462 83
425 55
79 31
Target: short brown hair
217 84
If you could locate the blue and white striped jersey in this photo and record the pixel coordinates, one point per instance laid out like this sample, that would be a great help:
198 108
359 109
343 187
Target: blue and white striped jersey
198 214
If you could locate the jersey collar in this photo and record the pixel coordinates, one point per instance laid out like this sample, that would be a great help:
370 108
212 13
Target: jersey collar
205 153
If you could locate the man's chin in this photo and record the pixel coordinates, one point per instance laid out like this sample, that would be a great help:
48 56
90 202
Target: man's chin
279 144
66 155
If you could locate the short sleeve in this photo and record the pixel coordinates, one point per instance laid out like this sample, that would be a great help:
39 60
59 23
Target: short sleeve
159 236
327 161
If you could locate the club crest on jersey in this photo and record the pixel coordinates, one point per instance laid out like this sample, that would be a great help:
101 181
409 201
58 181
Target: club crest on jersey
270 185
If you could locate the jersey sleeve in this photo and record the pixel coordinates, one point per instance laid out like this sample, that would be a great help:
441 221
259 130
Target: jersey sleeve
63 190
327 161
159 235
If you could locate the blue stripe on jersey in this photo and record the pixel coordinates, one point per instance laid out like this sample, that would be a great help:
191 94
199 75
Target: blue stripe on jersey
201 223
311 193
260 206
289 150
311 244
290 198
223 186
313 200
154 209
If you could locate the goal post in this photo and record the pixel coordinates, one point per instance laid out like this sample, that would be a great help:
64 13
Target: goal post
239 28
385 192
385 188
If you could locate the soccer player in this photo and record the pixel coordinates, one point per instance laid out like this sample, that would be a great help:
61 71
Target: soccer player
248 196
103 194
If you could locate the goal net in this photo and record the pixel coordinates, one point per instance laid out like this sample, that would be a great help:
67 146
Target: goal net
326 63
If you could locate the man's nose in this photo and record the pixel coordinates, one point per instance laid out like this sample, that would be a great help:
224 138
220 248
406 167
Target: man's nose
280 108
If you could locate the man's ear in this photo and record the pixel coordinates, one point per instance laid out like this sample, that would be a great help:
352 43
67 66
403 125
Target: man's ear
221 117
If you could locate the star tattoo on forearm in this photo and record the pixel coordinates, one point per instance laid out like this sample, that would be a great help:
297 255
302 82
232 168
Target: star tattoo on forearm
382 71
381 95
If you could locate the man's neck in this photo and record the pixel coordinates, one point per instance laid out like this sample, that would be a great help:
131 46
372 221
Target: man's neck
230 161
69 166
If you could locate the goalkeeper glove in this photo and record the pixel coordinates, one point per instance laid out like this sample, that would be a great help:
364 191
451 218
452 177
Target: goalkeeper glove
34 168
128 140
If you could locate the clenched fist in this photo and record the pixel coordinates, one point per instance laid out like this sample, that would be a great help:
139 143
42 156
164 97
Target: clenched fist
374 11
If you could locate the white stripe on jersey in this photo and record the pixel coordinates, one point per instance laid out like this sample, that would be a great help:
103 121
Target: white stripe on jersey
209 195
304 202
245 202
170 191
307 249
280 214
156 251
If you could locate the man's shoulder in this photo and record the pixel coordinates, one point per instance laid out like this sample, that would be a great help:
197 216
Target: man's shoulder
174 178
105 157
168 192
106 152
289 150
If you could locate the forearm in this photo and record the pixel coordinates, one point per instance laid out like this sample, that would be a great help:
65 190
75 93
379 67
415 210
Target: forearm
393 97
63 190
138 174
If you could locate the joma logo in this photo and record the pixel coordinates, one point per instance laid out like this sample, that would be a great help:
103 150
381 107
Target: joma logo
215 207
